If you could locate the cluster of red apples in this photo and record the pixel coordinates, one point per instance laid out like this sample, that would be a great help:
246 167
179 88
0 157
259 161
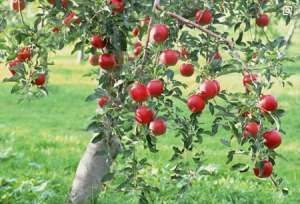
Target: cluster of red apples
272 138
23 55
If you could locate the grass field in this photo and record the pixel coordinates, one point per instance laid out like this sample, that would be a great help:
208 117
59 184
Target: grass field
41 143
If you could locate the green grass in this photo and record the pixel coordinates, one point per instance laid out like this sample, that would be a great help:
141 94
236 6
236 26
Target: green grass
41 143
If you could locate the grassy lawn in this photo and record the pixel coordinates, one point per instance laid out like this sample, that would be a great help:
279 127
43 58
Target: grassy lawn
41 143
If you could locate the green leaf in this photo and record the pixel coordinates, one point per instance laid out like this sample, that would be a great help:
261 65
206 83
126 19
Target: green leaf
240 167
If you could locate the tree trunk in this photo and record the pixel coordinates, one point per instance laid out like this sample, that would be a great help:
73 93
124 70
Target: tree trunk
80 56
93 167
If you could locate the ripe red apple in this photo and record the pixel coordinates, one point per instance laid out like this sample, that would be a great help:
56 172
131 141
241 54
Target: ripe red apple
266 171
262 20
268 103
187 69
94 59
117 5
135 32
159 33
145 21
144 115
216 56
12 64
246 114
138 44
209 89
137 51
251 128
56 30
139 92
169 57
64 3
18 5
69 18
196 103
78 21
40 80
203 17
107 61
155 88
103 101
272 139
184 53
217 83
98 42
249 79
24 54
158 127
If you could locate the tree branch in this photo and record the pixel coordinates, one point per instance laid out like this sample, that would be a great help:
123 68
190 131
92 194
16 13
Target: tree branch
192 24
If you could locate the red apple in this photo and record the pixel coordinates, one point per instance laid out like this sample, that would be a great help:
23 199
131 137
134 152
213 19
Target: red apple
144 115
216 56
217 83
159 33
64 3
117 5
78 21
135 32
272 139
145 21
107 61
24 54
155 88
196 103
169 57
103 101
12 64
94 59
266 171
137 51
203 17
262 20
69 18
139 92
251 128
249 79
98 42
187 69
268 103
18 5
158 127
209 89
52 2
56 30
138 44
40 80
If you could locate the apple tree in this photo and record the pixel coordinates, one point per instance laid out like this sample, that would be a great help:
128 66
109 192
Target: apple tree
134 46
